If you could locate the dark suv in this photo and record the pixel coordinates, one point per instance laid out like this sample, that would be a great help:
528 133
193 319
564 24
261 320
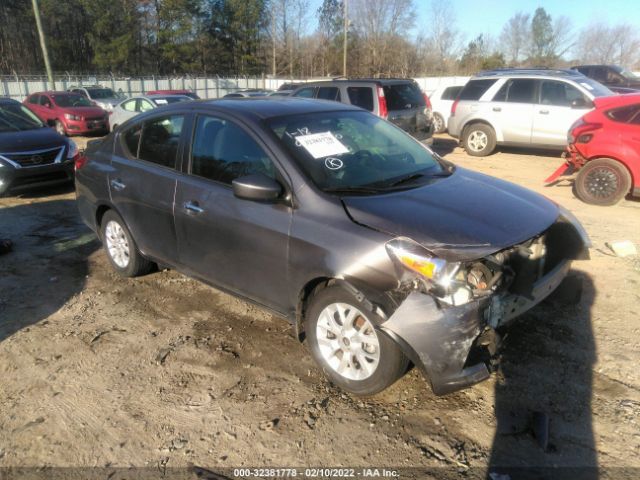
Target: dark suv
398 100
616 78
375 248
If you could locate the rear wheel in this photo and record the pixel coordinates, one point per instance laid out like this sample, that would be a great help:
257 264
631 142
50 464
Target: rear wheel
603 181
121 249
438 123
479 140
345 342
60 128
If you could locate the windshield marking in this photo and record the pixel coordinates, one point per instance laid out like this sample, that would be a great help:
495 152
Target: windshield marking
321 145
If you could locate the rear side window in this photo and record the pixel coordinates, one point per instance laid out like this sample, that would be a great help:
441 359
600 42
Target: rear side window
361 97
474 89
222 151
329 93
160 140
519 90
630 114
451 93
129 105
403 97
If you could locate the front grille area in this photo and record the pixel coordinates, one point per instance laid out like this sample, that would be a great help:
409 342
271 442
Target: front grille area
34 159
95 119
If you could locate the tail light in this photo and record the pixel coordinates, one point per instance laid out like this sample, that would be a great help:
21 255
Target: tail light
582 132
427 102
454 105
382 103
80 161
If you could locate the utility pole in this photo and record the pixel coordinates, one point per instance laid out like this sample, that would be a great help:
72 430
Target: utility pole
344 44
43 43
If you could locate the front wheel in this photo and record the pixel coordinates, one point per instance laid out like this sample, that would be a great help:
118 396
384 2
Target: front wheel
479 140
344 340
603 181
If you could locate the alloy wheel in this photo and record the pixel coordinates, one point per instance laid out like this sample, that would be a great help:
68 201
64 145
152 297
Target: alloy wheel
117 244
477 140
602 182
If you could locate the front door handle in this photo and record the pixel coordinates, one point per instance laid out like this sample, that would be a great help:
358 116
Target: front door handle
193 208
497 109
544 112
117 185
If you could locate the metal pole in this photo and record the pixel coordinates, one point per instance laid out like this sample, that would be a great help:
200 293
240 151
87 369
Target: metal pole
43 43
344 45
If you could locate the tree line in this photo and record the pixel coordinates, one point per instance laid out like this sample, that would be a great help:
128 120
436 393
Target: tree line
289 38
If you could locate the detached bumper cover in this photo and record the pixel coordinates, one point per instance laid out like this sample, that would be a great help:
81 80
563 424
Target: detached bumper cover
438 339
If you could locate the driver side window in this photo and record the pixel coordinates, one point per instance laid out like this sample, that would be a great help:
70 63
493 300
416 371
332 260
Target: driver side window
222 151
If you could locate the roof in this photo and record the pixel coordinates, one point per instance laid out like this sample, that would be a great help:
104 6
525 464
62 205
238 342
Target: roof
384 81
268 107
8 100
544 72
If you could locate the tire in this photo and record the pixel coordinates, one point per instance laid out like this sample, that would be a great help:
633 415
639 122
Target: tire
59 126
603 181
378 366
438 123
479 140
120 247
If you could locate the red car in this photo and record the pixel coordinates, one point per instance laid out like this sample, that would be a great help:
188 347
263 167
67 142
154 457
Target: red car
188 93
604 150
70 113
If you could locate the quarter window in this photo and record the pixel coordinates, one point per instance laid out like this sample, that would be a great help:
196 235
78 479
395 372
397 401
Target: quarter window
475 89
630 114
160 140
361 97
222 151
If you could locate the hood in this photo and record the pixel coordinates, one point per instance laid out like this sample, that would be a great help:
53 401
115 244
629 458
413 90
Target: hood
461 217
86 112
27 140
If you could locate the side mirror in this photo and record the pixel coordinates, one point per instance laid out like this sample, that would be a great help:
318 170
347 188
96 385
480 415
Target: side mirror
257 187
582 103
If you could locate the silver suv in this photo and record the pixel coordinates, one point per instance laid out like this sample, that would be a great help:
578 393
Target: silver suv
521 107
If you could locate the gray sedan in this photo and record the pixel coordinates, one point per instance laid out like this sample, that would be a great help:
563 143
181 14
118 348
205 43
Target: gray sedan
143 103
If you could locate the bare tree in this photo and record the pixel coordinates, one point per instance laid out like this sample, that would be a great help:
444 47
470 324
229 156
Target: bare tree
442 40
515 37
602 43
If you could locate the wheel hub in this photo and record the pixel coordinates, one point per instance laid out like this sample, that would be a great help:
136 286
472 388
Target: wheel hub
348 341
477 140
117 244
602 182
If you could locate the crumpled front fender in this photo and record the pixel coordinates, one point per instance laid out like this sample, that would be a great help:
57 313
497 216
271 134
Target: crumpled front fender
438 339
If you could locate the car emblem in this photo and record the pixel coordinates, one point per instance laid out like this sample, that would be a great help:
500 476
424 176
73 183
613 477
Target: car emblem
36 159
333 163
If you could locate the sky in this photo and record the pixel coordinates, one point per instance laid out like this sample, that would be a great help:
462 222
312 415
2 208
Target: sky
475 17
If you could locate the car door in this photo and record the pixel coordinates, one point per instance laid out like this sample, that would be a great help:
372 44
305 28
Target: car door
512 109
45 109
554 113
143 180
237 244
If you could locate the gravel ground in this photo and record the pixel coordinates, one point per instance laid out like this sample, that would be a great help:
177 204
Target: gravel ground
163 371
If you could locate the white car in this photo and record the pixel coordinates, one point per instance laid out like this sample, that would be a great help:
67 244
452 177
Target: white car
441 101
135 105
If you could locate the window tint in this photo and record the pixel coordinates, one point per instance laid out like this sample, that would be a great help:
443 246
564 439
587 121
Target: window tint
450 93
361 97
403 97
222 151
45 101
630 114
329 93
599 74
474 89
160 139
129 106
305 92
132 139
33 99
519 90
559 93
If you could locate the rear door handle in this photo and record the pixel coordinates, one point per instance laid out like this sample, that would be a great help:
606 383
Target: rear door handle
497 109
117 185
544 112
193 208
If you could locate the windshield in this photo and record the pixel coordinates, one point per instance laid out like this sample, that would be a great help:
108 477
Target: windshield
71 101
343 151
97 93
595 88
403 96
15 118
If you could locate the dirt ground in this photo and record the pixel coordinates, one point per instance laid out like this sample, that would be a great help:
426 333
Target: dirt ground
163 371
